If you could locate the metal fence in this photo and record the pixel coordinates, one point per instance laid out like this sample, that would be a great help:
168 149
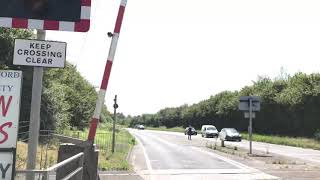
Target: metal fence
50 173
48 148
103 140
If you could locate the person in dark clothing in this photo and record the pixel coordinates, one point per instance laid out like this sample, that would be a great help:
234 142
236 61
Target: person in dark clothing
189 132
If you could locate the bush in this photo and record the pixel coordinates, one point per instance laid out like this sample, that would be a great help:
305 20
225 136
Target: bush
317 135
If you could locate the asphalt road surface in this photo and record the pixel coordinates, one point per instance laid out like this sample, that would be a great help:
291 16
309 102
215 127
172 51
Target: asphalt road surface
169 156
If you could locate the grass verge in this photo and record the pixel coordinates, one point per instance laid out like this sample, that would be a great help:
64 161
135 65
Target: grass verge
283 140
163 128
108 160
47 155
117 160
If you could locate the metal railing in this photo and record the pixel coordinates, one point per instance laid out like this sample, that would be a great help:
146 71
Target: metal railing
51 171
103 140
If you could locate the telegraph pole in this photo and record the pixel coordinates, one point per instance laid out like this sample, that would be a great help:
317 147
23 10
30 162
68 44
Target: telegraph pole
115 106
34 125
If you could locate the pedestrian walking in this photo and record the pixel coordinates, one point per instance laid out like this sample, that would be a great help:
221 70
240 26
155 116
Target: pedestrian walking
189 132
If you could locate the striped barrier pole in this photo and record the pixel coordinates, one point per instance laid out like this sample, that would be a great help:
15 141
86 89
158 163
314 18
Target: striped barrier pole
103 88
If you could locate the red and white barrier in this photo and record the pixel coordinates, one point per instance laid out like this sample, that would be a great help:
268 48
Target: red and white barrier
104 84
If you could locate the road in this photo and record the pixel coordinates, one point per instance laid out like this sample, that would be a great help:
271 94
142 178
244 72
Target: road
171 156
303 154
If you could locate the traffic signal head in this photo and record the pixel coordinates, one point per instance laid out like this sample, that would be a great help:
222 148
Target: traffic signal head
37 8
55 10
59 15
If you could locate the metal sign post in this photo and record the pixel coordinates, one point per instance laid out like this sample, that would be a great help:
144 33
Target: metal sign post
250 125
249 104
35 113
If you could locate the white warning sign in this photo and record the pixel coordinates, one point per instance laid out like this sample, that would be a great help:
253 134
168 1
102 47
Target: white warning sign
39 53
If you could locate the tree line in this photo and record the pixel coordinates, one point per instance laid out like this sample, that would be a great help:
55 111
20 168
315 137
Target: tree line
290 106
68 100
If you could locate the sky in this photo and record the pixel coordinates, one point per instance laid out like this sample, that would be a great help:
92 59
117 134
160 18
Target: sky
179 52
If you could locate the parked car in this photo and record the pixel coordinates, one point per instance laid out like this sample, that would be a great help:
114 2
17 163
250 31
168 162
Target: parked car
229 134
139 126
209 131
193 131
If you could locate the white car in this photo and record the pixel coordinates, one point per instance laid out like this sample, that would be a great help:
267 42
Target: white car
209 131
140 127
229 134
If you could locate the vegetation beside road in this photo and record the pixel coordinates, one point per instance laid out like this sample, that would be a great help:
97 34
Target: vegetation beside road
68 99
284 140
163 128
46 155
289 107
123 144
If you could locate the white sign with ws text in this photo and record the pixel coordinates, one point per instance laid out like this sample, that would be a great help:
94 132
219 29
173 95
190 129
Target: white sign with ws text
39 53
10 91
6 163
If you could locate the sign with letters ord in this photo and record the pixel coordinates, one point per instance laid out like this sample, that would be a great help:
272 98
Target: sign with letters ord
39 53
6 163
10 90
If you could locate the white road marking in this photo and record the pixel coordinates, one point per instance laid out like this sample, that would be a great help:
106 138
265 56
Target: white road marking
144 153
117 174
237 164
193 171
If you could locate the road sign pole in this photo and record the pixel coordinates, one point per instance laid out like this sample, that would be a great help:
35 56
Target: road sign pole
250 125
104 84
34 125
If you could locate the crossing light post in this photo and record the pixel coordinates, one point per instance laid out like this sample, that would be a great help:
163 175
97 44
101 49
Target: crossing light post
115 106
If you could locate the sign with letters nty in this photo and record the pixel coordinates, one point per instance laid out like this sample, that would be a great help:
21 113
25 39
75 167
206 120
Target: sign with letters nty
39 53
6 165
10 91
